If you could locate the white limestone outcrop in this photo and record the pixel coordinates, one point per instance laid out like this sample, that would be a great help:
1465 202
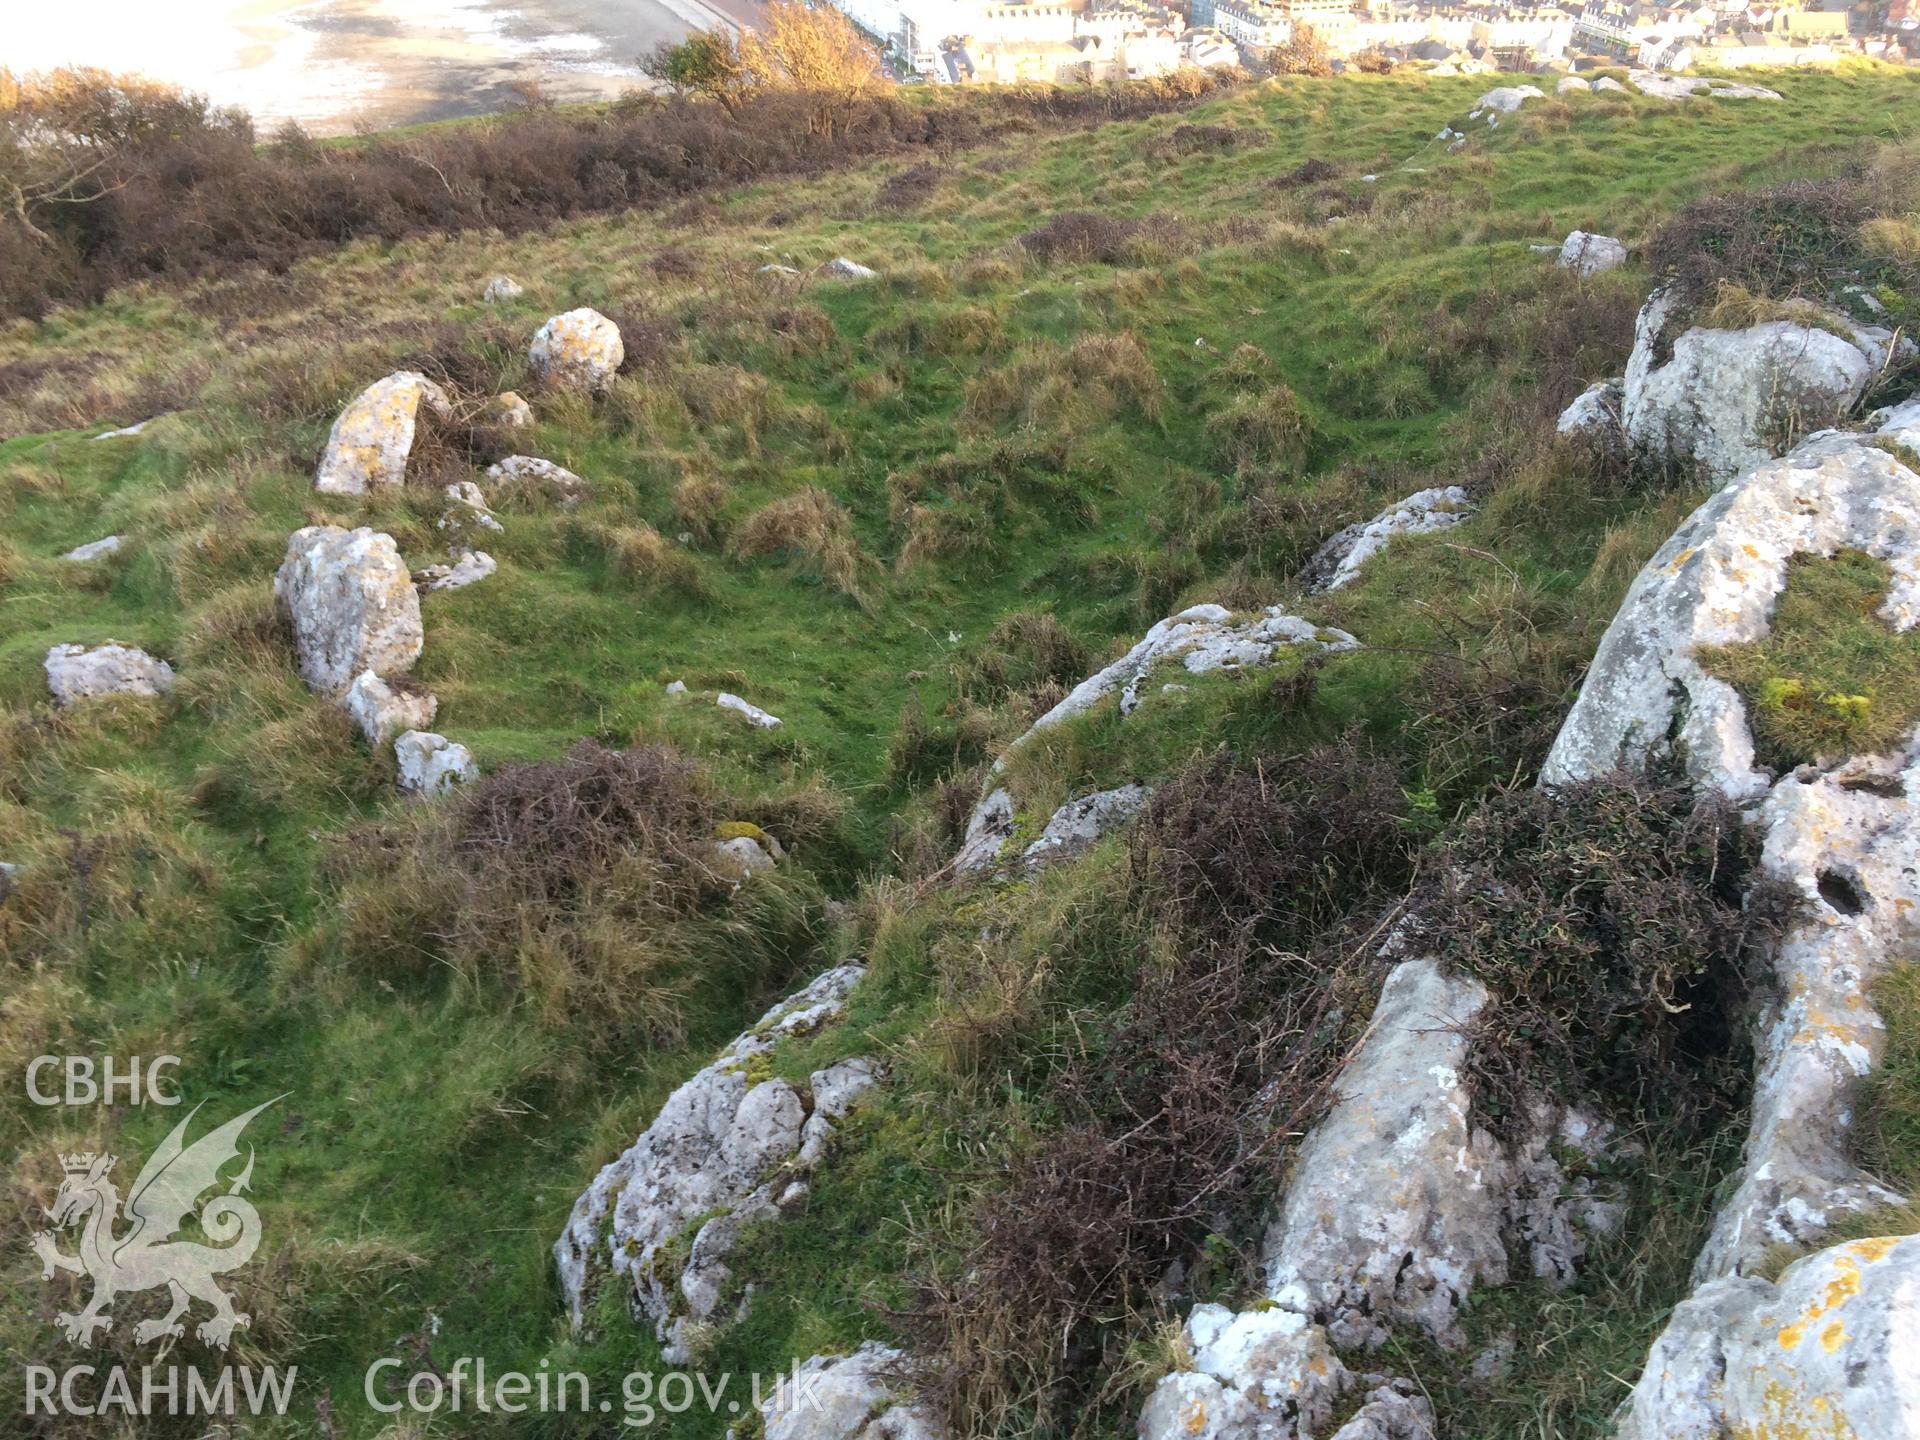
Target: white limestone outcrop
580 350
350 601
370 442
81 672
1339 561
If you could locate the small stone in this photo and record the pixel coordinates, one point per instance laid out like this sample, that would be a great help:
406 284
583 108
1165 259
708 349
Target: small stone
849 269
1571 85
75 672
469 567
510 410
1587 254
741 858
502 288
755 716
432 764
676 687
530 472
94 549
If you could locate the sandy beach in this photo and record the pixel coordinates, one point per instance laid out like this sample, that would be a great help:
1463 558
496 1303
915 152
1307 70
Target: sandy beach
336 65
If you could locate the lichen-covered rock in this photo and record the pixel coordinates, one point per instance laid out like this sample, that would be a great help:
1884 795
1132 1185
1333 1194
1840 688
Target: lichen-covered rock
509 410
432 764
847 1397
542 477
1082 823
94 549
740 857
580 350
724 1144
350 601
371 440
79 672
501 288
753 714
1258 1375
1720 401
988 830
1830 1350
469 567
1587 254
382 710
1339 561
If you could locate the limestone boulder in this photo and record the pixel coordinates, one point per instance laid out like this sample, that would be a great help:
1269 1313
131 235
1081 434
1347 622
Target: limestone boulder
94 549
382 708
500 289
848 1397
509 410
1587 254
580 350
1594 417
1571 85
350 602
989 829
530 475
82 672
1340 560
751 713
843 268
1828 1350
1664 86
469 567
367 448
1503 100
432 764
1607 85
727 1145
1082 823
1257 1375
1719 401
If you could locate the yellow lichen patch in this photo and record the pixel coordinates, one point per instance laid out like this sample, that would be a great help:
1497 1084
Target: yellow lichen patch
1792 1335
1195 1420
1874 1248
1833 1337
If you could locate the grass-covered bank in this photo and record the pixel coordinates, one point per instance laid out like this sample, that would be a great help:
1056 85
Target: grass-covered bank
1102 374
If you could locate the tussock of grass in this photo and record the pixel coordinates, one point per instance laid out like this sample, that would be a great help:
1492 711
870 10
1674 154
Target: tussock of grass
811 526
1831 678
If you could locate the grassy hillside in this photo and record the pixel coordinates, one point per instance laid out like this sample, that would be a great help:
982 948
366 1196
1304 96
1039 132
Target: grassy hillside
1102 374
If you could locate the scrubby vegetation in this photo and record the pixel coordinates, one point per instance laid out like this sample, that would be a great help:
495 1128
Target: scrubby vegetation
1116 361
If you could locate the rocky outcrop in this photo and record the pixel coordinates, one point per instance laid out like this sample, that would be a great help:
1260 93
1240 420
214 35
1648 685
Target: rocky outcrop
351 604
432 764
1594 417
1587 254
502 288
529 473
382 709
1571 85
1397 1207
1503 100
1073 829
844 269
1664 86
80 672
580 350
731 1145
1339 561
1721 401
989 829
369 444
751 713
1829 1350
847 1397
94 549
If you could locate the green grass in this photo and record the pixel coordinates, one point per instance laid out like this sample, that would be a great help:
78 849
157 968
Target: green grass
1071 450
1832 678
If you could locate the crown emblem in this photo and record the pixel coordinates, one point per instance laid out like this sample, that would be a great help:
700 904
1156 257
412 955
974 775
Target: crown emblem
81 1163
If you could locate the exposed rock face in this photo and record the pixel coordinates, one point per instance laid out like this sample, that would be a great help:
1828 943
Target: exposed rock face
75 672
1339 561
580 350
847 269
125 430
1587 254
382 711
847 1397
1829 1350
988 830
754 715
1079 825
543 476
502 287
468 567
94 549
723 1146
370 442
432 764
1571 85
1606 84
1663 86
351 603
1722 399
1397 1207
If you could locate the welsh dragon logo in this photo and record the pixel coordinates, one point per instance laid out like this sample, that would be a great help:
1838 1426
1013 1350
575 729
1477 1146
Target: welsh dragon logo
145 1255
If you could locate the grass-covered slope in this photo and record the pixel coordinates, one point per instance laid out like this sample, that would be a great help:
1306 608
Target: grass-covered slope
1102 374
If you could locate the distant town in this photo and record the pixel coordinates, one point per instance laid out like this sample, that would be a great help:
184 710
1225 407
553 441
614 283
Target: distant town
1008 41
